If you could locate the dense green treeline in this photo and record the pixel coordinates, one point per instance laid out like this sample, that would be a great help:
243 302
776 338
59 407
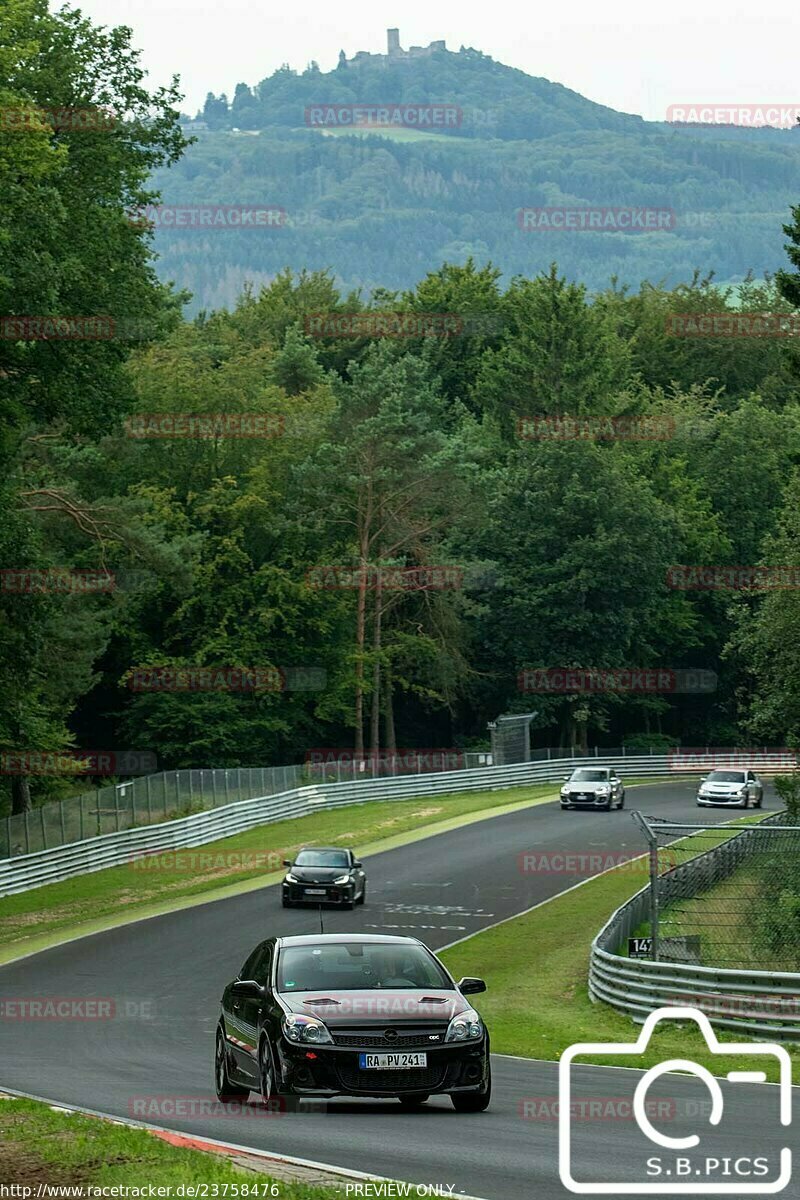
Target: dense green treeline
375 459
379 212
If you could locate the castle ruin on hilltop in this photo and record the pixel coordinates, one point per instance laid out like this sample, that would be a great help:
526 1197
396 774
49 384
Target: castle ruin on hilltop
394 51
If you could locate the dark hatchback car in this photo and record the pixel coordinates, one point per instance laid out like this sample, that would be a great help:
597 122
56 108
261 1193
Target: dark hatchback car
354 1015
324 875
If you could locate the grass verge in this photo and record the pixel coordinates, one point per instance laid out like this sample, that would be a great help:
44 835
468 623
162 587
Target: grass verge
41 1146
33 920
536 967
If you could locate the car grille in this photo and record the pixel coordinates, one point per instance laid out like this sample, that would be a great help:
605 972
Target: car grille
419 1079
368 1038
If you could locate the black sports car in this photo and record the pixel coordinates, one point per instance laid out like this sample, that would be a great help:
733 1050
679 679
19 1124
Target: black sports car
351 1014
324 875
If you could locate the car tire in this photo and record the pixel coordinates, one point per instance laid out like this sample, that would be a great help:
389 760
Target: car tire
267 1077
621 801
222 1085
413 1101
472 1102
760 801
349 904
363 895
286 903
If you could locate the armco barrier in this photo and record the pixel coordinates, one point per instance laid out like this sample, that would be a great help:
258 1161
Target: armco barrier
757 1002
113 849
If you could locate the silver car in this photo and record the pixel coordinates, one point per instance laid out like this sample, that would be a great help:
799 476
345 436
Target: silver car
593 787
738 789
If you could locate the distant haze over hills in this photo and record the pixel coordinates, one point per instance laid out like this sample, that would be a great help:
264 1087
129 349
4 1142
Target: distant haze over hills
392 163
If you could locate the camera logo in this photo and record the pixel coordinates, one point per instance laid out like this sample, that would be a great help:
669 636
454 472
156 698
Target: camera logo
677 1171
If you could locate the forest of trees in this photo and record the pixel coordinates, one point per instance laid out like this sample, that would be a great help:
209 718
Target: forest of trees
384 454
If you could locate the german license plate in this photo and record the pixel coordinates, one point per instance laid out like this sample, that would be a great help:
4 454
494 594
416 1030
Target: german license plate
391 1062
315 891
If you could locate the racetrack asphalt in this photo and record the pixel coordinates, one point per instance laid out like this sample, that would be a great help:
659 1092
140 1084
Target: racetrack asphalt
166 974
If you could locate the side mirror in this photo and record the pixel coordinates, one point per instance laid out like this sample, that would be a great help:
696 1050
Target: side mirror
568 777
470 987
287 862
247 987
358 864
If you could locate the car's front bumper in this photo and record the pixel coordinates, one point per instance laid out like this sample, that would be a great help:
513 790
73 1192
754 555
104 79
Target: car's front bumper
298 893
585 800
335 1071
722 801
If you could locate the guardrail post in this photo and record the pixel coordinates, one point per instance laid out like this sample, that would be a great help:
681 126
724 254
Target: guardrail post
27 834
116 808
63 827
149 800
97 809
227 788
164 789
652 841
214 787
8 835
177 791
44 832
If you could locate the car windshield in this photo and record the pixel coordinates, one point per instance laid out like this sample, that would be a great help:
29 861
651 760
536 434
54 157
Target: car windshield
358 966
589 775
726 777
322 858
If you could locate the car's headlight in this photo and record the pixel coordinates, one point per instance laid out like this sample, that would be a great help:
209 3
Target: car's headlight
298 1028
343 879
290 878
464 1027
565 790
603 791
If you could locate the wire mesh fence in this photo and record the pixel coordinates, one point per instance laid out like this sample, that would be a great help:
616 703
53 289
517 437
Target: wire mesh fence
147 800
725 896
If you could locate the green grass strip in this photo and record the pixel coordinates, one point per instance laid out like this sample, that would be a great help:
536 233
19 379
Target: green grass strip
42 1145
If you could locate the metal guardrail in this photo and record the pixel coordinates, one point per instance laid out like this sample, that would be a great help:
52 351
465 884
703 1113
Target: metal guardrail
168 795
754 1001
28 871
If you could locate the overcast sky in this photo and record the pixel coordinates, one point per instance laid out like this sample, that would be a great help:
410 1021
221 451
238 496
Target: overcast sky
634 56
